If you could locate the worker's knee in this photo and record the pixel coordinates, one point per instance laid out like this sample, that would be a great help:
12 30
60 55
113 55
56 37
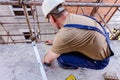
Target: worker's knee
100 67
102 64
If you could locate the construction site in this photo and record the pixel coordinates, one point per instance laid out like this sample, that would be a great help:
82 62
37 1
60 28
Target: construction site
24 31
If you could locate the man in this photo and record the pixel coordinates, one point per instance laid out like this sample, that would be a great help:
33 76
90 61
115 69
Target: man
74 47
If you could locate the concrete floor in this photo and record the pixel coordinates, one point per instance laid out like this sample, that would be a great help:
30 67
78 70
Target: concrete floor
18 62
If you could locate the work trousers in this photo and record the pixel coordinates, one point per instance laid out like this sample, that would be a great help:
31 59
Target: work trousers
77 59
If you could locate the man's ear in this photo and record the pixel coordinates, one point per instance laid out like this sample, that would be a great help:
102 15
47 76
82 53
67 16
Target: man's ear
52 20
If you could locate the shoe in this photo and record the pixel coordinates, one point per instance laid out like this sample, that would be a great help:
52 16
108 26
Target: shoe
64 66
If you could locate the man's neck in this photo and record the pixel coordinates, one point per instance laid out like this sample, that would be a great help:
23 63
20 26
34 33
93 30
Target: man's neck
62 19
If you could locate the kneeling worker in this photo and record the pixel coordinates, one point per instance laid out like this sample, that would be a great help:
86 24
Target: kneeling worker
76 45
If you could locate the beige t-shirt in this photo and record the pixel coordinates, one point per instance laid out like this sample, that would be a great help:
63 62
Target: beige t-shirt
90 43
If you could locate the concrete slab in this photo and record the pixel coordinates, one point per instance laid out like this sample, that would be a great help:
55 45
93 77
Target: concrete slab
18 62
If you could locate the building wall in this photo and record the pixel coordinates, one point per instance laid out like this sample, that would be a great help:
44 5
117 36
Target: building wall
115 21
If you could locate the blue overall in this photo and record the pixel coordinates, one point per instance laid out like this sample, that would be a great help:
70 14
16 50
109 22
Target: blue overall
73 60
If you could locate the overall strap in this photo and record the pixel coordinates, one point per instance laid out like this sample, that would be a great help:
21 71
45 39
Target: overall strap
85 27
98 23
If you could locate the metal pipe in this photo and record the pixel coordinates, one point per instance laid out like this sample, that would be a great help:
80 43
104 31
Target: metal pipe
39 3
110 11
20 3
15 42
22 40
105 24
112 15
95 9
14 34
26 34
19 22
7 32
80 8
7 16
19 42
77 8
91 4
36 21
8 37
27 19
38 24
15 16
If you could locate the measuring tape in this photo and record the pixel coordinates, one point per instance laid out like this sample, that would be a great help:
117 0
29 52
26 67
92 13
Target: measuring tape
42 70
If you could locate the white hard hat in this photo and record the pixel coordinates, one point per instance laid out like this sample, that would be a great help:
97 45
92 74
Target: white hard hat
49 5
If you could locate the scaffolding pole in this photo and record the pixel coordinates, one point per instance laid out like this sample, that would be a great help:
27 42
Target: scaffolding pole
19 42
26 34
110 11
15 42
7 32
39 3
28 20
33 40
105 24
20 22
95 9
36 21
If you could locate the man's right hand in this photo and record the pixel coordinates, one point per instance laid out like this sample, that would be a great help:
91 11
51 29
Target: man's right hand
45 63
49 58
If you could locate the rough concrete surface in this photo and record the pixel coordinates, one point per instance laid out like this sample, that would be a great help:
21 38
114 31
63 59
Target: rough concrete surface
18 62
